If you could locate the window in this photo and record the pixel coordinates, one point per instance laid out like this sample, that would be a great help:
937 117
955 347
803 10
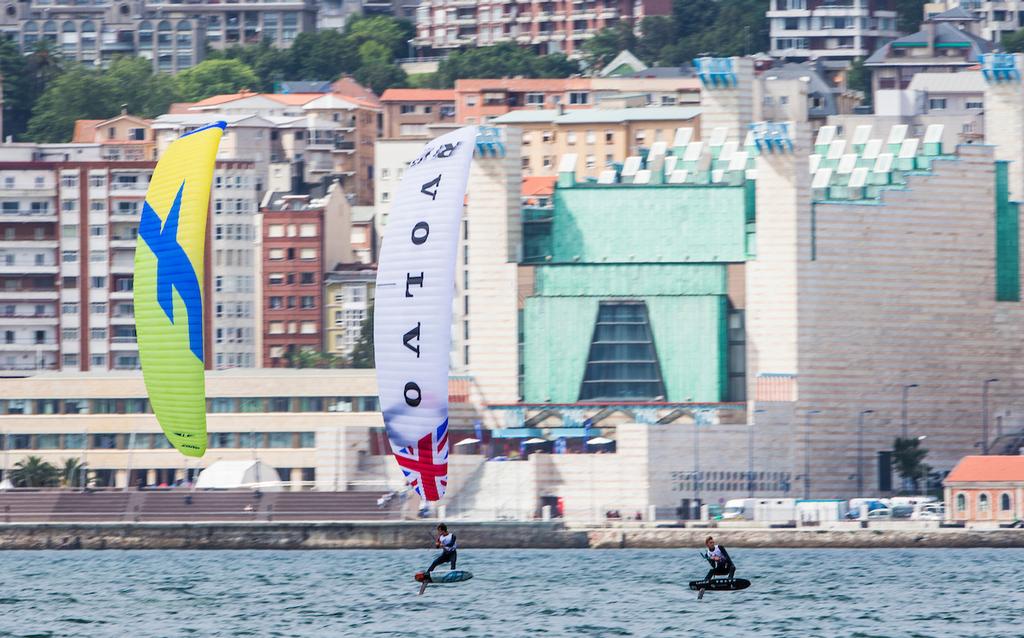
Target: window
609 137
534 99
579 97
309 278
276 253
98 308
591 137
548 161
591 161
307 253
622 363
470 100
97 333
69 308
983 504
974 105
547 136
1004 502
570 137
69 361
97 282
275 230
69 231
69 256
307 230
936 104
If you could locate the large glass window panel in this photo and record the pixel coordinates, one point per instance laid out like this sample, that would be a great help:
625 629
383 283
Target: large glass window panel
623 362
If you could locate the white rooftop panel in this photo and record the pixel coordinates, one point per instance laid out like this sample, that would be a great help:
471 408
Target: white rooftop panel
693 152
884 163
642 177
897 133
934 134
678 177
631 165
825 135
836 149
859 177
861 134
909 148
752 174
738 161
719 135
658 148
872 149
670 164
748 141
606 177
822 178
815 161
683 136
568 163
717 176
728 150
847 163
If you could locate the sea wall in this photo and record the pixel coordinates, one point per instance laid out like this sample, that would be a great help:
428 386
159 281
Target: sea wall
494 535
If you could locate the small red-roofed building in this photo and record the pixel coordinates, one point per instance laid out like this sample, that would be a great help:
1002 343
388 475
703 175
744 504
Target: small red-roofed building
986 489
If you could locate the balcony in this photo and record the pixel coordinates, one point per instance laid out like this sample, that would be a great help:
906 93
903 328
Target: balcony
27 215
46 242
119 189
122 266
122 295
123 242
29 294
33 269
29 345
344 147
28 318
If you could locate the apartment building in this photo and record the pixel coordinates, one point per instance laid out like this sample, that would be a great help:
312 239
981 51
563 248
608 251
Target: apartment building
348 297
317 138
599 137
409 112
69 229
544 25
830 29
300 236
174 35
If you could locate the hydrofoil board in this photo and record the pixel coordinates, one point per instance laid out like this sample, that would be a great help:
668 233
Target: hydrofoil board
721 584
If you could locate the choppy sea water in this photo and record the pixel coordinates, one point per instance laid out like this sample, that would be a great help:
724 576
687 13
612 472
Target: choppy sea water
799 593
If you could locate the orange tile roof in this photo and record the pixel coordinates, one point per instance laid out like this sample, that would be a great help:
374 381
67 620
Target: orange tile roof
521 84
987 469
418 95
85 131
355 92
538 186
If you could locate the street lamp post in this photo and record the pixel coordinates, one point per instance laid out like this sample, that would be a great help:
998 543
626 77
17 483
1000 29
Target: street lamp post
860 451
807 453
924 478
903 413
984 415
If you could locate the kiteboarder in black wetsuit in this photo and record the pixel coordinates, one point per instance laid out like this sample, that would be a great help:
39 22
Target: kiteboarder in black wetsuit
449 554
721 564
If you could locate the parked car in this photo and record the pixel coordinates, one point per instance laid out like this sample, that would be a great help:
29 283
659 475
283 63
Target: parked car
882 513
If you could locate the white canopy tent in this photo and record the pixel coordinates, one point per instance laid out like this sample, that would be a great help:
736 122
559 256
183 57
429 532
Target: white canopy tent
234 475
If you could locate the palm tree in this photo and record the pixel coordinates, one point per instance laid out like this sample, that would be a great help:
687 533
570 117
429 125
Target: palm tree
908 455
34 472
71 473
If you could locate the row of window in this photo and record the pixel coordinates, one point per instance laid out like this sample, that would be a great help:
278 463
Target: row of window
280 278
305 302
147 441
306 254
11 181
218 405
293 327
984 505
121 361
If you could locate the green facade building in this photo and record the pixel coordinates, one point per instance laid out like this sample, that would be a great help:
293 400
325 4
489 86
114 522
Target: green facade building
631 292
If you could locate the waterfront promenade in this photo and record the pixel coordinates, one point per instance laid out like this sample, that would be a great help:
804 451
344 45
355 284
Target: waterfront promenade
491 535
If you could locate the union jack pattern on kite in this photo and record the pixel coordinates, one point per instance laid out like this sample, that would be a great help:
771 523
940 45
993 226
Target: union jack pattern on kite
426 466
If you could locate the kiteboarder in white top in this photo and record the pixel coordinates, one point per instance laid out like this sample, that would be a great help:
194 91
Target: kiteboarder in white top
721 564
449 554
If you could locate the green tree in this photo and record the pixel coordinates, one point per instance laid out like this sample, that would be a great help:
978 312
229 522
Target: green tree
145 93
908 457
858 78
323 55
362 354
393 33
1013 42
71 473
608 43
268 62
716 27
34 472
501 61
77 93
214 77
909 14
658 33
